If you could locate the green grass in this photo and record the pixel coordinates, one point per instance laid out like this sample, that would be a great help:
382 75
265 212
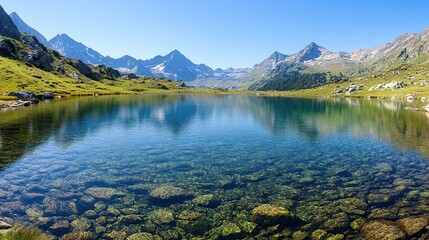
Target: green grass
23 233
409 74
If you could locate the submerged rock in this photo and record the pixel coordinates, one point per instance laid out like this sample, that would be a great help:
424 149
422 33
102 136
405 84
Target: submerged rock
103 193
338 223
161 216
81 224
336 237
79 236
357 224
60 226
267 214
319 234
299 235
227 230
206 201
382 230
168 193
116 235
143 236
413 225
132 218
377 198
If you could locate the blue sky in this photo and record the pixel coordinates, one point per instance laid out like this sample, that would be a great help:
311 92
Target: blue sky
222 33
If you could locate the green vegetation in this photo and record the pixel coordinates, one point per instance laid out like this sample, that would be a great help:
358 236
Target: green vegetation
409 74
23 233
302 81
17 75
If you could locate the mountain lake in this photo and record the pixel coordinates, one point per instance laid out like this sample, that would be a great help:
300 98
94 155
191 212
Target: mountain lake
215 167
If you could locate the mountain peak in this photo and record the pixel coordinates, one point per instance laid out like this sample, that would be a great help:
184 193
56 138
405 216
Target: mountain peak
312 45
277 56
64 36
310 52
14 14
23 27
8 28
175 53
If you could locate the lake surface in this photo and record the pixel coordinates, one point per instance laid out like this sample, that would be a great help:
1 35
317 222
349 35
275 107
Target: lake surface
184 166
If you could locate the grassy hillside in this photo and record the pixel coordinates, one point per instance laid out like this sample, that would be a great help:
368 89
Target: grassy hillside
410 74
17 75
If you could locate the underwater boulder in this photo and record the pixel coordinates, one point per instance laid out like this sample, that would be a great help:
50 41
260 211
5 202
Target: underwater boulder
267 215
143 236
103 193
169 194
413 225
381 230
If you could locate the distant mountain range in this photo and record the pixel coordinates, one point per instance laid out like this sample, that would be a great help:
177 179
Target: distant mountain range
313 59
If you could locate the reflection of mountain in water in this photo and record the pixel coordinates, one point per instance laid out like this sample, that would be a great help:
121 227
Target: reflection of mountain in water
311 118
24 129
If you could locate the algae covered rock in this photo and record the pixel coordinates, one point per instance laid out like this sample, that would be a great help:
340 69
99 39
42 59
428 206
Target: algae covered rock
143 236
267 214
132 218
319 234
413 225
161 216
168 193
103 193
336 237
299 235
81 224
382 230
206 201
227 230
339 222
79 236
377 198
60 226
357 224
116 235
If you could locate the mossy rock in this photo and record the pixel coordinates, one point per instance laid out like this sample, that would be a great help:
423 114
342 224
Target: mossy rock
143 236
266 215
299 235
169 194
319 234
161 216
382 230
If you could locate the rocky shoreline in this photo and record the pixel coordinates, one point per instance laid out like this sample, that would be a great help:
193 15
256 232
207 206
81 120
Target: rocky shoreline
25 99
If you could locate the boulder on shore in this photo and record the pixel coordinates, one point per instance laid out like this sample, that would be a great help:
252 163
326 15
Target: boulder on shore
26 95
48 95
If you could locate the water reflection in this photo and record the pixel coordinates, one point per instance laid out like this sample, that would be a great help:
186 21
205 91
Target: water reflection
22 130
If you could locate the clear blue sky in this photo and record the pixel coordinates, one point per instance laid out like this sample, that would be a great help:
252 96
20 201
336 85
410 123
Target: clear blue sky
222 33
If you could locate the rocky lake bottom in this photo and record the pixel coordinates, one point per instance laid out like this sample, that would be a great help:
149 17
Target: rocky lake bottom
216 167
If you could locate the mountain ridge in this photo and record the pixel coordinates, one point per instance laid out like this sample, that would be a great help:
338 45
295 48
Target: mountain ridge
310 60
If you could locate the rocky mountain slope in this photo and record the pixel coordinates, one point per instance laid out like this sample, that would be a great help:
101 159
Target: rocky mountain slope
22 47
22 26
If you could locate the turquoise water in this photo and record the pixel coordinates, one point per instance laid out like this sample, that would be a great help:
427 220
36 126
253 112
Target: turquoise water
97 165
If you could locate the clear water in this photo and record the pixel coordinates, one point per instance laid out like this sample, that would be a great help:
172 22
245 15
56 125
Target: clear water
316 158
